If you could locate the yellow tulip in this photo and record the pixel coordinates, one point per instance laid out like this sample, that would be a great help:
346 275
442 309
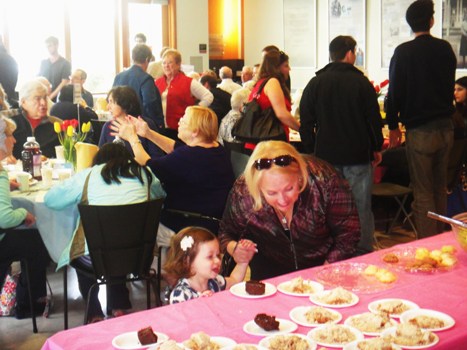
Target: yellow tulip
57 127
70 131
86 127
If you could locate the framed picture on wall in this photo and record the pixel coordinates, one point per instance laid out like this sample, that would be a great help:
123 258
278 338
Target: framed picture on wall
455 28
348 17
300 32
394 28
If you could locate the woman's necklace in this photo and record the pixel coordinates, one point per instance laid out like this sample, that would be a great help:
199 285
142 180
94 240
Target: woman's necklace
283 219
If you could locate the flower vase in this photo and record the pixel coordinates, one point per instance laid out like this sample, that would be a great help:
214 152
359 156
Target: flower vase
70 156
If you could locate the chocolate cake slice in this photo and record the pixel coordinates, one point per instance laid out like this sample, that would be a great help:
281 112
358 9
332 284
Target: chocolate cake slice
147 336
266 322
253 287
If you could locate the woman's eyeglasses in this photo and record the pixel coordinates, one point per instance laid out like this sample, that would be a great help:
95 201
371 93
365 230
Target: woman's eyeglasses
266 163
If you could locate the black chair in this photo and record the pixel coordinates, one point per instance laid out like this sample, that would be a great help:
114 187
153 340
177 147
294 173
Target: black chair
239 156
121 241
25 264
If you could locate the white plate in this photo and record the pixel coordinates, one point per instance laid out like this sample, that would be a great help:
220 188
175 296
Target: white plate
392 331
353 345
317 287
158 345
373 306
223 342
315 298
129 341
448 320
358 335
239 291
297 314
349 319
254 346
311 344
285 326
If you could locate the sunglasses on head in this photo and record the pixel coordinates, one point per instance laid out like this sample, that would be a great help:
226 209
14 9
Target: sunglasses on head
266 163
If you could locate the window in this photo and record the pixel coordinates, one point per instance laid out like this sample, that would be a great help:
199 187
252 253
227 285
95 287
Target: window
147 19
92 37
27 31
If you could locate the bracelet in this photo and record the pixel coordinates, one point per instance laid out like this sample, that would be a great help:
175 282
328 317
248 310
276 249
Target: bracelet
134 143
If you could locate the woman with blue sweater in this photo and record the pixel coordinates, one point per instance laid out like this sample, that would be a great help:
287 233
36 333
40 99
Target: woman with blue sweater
116 179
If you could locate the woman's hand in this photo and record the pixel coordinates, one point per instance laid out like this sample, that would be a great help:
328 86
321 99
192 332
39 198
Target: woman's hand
125 129
13 185
142 128
244 251
30 219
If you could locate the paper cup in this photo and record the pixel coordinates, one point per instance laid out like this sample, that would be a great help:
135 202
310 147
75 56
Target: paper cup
63 174
23 180
60 152
46 177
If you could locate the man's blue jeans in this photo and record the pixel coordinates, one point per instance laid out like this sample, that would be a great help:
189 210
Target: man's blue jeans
360 179
428 150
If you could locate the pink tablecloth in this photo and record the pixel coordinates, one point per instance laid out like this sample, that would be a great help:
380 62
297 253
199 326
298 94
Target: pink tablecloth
225 314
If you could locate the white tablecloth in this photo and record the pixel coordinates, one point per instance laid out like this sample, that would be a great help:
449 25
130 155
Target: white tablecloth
55 227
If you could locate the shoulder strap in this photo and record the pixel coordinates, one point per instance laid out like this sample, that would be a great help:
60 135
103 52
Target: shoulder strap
84 197
261 87
149 187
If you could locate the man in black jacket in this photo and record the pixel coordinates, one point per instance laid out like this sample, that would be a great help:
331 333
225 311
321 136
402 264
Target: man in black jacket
422 73
341 123
221 102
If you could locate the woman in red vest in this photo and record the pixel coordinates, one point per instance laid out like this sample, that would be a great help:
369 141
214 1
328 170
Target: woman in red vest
178 91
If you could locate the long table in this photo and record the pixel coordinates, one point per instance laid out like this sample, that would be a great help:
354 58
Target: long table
56 227
224 314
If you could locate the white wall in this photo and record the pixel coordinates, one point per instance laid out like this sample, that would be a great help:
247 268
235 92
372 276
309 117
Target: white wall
192 30
264 26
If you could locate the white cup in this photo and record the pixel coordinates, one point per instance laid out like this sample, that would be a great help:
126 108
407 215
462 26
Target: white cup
46 173
23 180
60 152
63 174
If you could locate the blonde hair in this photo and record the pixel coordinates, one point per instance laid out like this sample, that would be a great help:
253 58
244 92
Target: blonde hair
4 105
270 150
177 56
179 261
204 121
9 128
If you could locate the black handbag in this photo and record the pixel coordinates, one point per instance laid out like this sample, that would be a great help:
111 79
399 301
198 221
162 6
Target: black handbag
256 124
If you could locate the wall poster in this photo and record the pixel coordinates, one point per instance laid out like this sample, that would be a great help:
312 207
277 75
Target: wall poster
347 17
300 32
455 28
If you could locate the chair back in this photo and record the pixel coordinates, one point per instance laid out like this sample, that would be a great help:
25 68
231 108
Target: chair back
238 158
121 238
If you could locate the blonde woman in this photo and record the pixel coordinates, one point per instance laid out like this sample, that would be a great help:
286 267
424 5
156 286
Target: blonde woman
196 173
299 212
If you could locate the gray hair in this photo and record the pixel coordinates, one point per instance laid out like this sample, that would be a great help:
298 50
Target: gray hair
239 97
225 73
30 88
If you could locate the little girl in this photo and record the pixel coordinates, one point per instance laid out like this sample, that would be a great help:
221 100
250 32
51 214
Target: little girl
194 259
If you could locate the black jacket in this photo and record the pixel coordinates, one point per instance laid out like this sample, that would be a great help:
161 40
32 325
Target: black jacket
339 115
44 133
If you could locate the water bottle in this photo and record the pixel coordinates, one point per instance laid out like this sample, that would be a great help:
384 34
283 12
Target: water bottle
31 158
